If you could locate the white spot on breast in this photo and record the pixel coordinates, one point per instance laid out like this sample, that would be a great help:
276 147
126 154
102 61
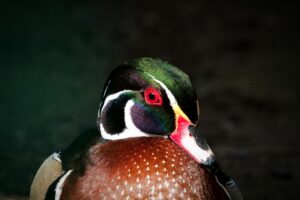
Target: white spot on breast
139 195
167 184
181 194
159 186
152 190
160 196
139 186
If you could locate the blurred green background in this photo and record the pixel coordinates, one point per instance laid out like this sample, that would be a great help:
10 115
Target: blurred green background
243 59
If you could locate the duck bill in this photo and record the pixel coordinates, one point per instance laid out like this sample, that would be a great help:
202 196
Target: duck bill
184 137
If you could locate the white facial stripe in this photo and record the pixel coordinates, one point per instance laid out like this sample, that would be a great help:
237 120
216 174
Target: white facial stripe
60 184
105 90
172 99
109 98
170 96
129 123
113 96
130 131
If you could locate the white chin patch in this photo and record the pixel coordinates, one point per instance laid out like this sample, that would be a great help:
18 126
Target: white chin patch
130 131
190 145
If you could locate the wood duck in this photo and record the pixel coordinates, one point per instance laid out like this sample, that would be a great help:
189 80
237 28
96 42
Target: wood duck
148 146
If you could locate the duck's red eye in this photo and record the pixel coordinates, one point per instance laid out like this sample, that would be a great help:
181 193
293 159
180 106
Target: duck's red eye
153 97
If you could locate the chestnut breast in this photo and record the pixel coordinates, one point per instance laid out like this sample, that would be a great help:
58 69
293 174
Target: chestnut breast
141 168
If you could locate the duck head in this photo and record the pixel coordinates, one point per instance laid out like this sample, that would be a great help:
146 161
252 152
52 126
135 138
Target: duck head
150 97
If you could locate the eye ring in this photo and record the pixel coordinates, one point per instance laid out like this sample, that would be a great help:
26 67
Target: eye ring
153 97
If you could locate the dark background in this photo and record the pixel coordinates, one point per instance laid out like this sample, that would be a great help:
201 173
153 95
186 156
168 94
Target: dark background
243 59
